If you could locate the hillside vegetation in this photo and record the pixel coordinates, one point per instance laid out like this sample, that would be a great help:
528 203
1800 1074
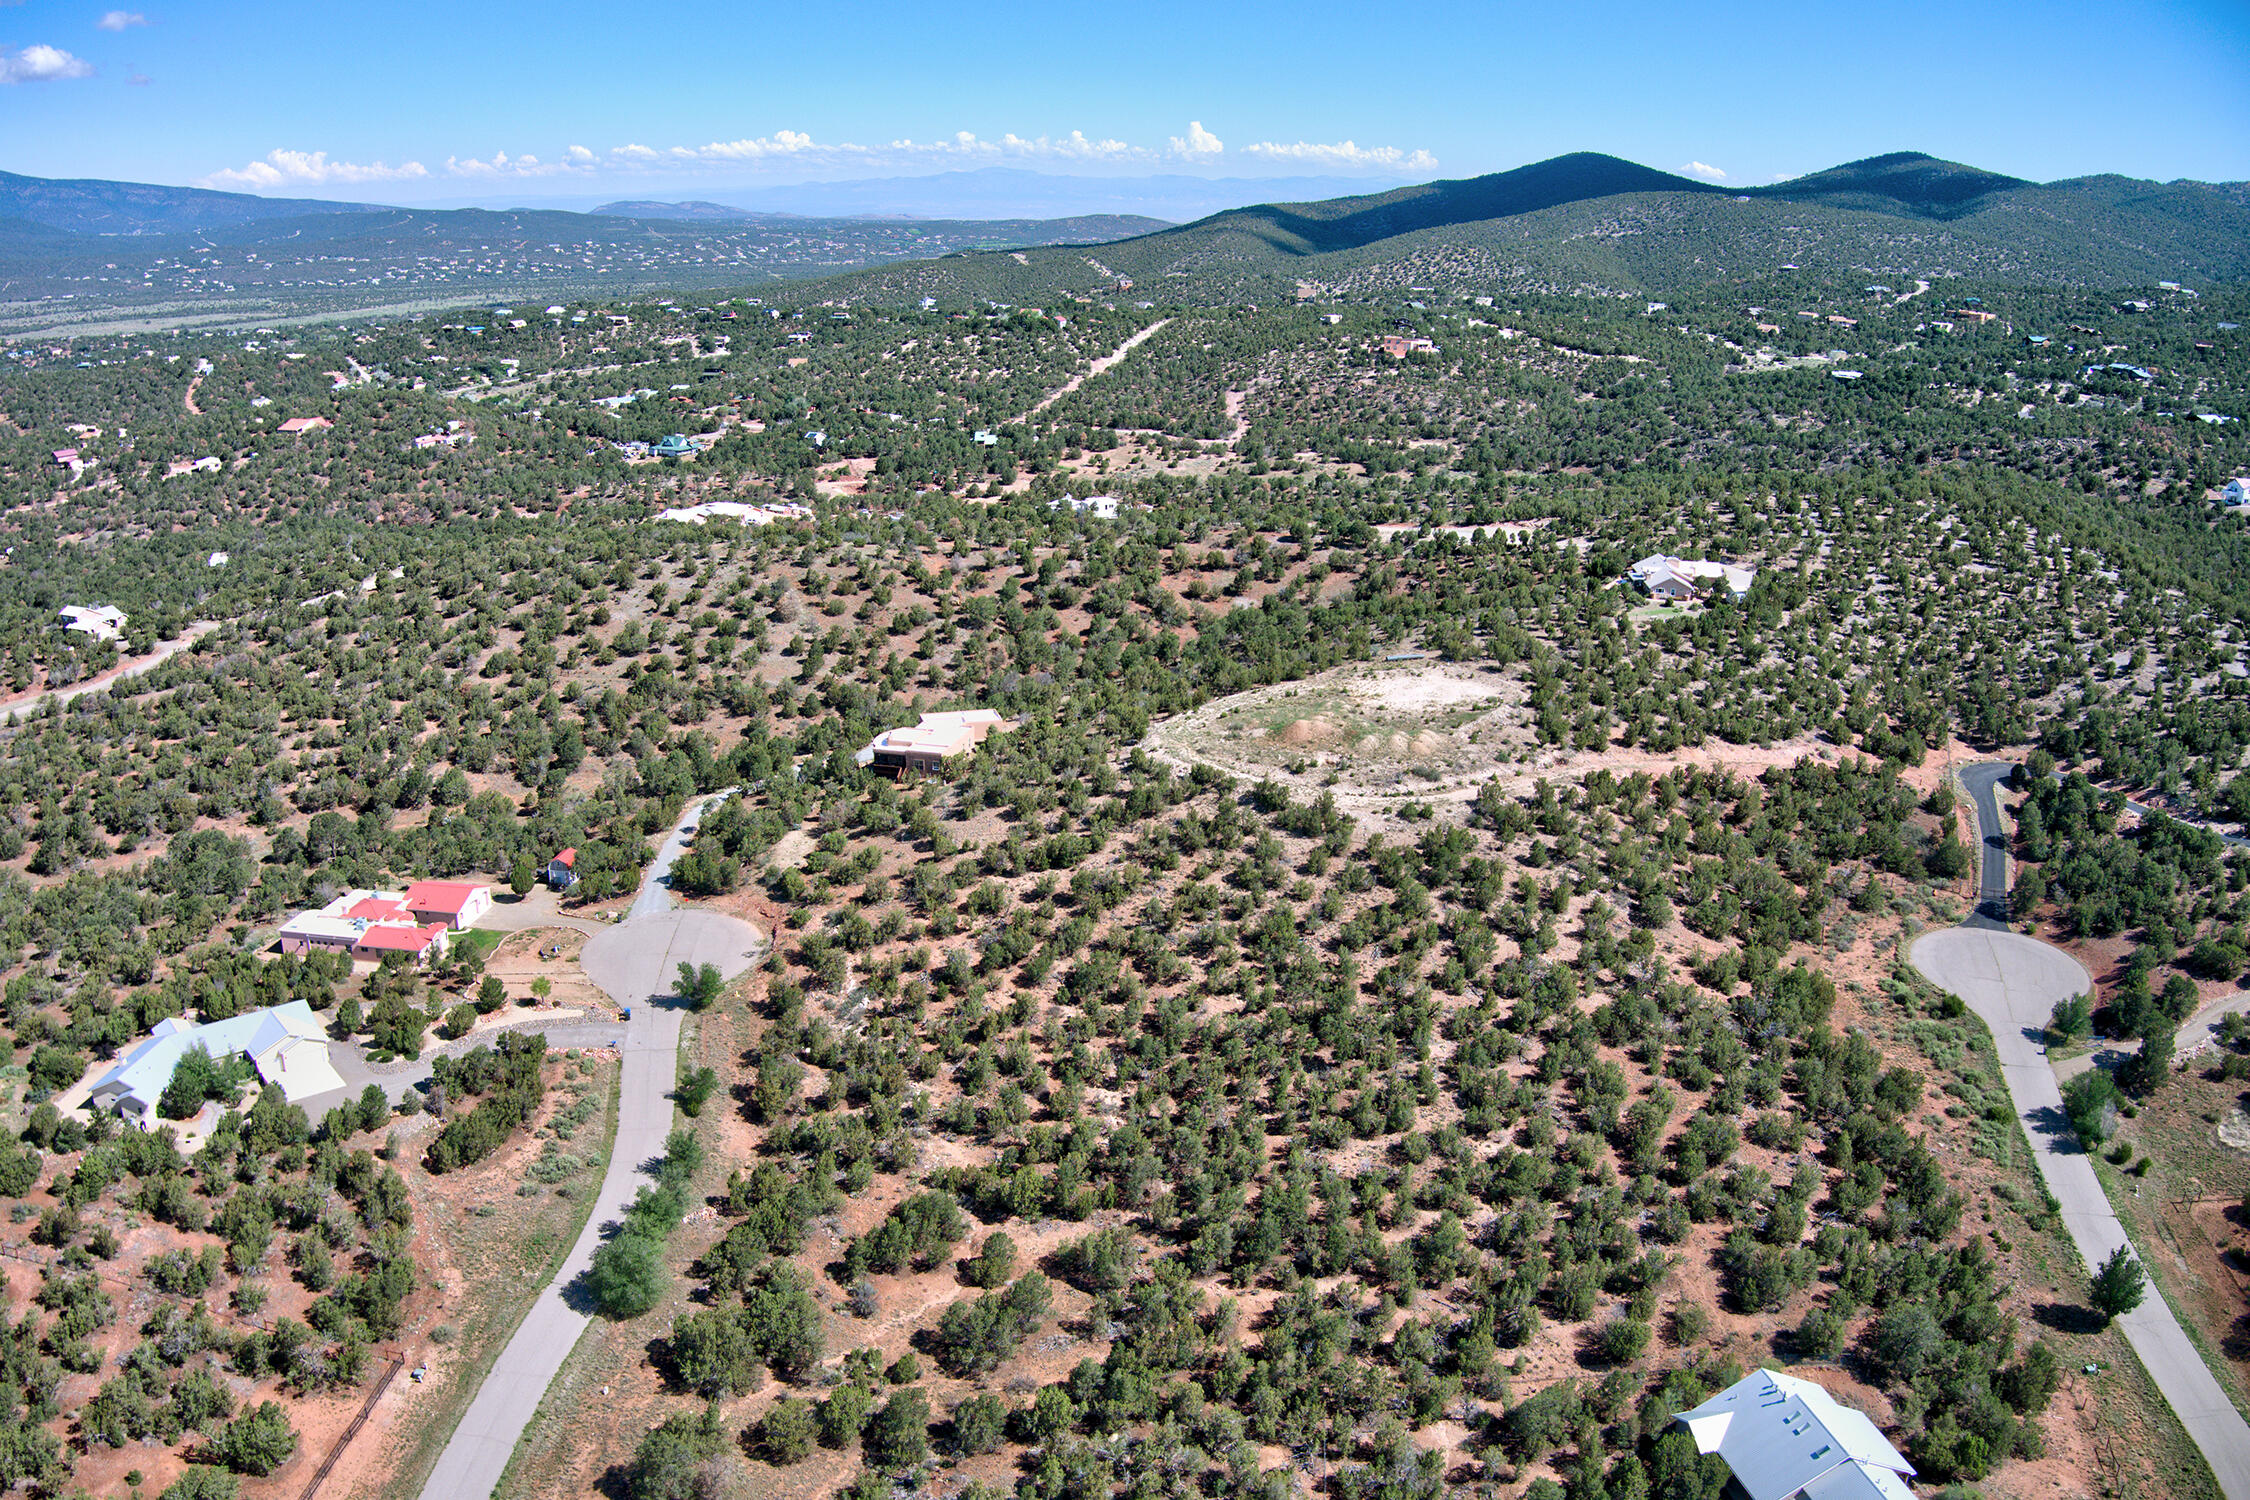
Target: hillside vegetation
1397 1013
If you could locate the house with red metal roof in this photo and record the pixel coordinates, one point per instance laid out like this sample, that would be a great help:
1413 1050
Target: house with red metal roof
366 924
451 904
424 943
562 870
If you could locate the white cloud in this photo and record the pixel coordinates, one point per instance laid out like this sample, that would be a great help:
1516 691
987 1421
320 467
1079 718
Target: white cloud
40 63
501 166
798 150
298 169
1340 154
118 20
1198 143
759 148
1705 171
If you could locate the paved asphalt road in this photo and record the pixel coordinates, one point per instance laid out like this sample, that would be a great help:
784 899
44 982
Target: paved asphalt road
635 963
2201 1030
1992 870
2012 982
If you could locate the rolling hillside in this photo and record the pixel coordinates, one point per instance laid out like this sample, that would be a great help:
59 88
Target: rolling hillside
95 207
95 255
1596 222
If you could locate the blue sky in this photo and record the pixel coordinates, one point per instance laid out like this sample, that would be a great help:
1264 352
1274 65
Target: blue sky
415 101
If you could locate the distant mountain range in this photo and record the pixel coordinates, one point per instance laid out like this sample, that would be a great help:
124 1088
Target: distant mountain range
688 211
1905 182
1594 221
93 254
93 206
1011 193
78 253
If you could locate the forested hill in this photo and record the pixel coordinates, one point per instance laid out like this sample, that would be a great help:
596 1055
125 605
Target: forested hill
1348 223
1901 182
1588 222
94 206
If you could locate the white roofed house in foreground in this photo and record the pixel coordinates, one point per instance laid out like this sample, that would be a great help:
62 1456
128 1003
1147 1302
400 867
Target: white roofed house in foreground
1784 1437
286 1044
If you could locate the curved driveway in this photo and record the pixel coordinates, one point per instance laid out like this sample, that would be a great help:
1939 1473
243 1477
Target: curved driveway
636 963
2012 983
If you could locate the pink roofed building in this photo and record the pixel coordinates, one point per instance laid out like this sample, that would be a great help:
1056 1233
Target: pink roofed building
376 907
424 943
451 904
366 924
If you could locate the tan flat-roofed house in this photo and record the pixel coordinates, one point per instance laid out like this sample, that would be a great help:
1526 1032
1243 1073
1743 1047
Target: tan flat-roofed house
929 744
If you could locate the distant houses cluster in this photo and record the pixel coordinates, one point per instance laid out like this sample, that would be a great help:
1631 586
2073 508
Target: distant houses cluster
417 921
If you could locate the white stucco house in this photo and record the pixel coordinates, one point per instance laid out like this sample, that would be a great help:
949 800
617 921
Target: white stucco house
2237 491
1664 577
929 744
1784 1437
104 622
1101 507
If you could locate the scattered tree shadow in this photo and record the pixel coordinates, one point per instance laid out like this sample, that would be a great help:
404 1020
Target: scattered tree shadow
2050 1127
578 1295
578 1292
2235 1344
2068 1317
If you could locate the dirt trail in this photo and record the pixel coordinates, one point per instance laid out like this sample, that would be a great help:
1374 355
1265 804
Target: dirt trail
189 398
164 652
1234 415
1096 368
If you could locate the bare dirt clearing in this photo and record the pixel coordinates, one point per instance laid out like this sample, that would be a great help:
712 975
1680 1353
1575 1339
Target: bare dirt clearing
1377 735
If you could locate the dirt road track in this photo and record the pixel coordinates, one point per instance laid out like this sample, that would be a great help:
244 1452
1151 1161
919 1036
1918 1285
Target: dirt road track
163 653
1098 366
